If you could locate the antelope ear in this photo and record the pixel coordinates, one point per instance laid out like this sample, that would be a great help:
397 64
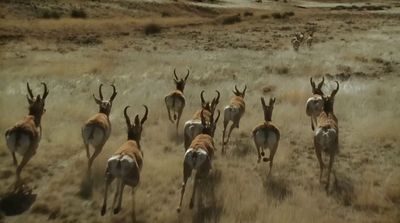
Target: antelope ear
137 121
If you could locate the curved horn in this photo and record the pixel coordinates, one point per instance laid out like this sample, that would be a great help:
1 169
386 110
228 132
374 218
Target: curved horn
45 91
98 101
218 114
29 90
114 93
127 119
100 94
321 83
336 90
217 98
202 98
203 121
187 75
176 76
145 114
236 88
271 101
312 83
244 90
263 102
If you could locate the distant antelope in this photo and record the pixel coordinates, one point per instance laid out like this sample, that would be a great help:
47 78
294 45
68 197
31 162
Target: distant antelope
315 103
175 101
194 127
24 137
310 39
266 135
126 163
97 129
233 112
326 138
199 156
297 40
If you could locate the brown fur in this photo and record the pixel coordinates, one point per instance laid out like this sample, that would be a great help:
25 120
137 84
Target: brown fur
205 142
327 120
268 126
206 114
238 101
99 119
131 148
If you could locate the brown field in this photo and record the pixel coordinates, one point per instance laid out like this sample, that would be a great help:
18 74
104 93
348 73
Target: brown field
109 44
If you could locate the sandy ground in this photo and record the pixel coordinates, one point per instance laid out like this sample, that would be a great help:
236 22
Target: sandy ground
73 56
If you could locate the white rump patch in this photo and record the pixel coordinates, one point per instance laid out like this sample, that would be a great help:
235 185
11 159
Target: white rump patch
326 138
314 105
175 106
195 163
265 139
120 166
96 139
231 113
24 143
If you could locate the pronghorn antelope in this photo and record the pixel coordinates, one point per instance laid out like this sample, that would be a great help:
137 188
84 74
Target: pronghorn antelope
310 39
175 101
199 156
326 138
194 127
315 103
97 129
233 112
266 135
297 40
24 137
126 164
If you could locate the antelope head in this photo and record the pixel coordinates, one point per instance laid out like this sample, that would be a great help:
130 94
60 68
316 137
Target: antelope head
135 129
238 93
209 127
317 90
105 105
329 100
268 108
207 105
36 104
180 83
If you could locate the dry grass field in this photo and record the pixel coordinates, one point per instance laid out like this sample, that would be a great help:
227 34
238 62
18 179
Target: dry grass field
75 45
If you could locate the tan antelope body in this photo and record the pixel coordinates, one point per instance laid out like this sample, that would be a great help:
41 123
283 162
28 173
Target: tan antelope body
97 129
199 157
233 113
315 104
24 137
175 100
326 137
126 164
193 127
266 135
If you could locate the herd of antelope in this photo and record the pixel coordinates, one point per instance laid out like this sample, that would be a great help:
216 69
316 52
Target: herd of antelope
299 38
199 146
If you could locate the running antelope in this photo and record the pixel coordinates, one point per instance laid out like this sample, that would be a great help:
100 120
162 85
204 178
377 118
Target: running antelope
233 112
297 40
97 129
266 135
310 39
315 103
126 164
175 101
24 137
326 138
199 156
194 127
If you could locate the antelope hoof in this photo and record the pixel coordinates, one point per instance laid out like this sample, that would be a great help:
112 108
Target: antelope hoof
262 153
103 211
265 159
178 210
116 210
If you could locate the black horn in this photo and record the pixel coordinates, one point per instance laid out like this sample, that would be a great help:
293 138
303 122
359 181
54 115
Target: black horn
45 91
29 90
114 93
127 119
145 114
